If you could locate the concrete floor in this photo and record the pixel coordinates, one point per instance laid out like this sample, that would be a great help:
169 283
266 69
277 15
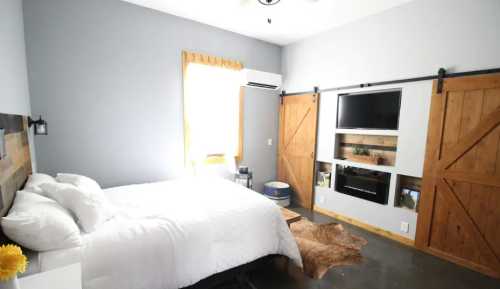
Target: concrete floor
387 265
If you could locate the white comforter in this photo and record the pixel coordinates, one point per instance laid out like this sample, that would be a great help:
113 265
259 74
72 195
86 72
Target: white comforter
174 234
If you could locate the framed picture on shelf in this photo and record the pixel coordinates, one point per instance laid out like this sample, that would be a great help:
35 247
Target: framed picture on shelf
324 179
409 199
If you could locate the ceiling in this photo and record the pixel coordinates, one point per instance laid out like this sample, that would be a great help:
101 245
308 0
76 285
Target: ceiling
292 20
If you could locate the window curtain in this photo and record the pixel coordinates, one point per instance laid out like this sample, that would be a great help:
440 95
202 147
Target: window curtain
212 137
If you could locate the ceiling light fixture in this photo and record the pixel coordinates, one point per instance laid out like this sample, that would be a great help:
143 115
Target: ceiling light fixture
269 2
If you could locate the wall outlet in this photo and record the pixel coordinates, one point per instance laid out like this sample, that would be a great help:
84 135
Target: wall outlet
269 141
405 227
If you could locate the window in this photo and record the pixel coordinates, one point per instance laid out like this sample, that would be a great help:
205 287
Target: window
212 109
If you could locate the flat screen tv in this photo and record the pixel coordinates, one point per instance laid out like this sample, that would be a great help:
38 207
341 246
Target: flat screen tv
370 110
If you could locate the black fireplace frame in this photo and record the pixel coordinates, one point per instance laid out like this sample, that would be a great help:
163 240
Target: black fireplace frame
362 183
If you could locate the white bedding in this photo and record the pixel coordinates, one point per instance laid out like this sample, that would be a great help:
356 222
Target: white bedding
176 233
51 260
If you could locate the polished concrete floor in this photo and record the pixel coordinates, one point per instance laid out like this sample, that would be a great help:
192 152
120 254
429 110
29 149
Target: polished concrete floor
387 265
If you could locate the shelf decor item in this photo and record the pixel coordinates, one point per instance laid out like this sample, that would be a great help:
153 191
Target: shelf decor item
12 261
409 199
362 155
324 179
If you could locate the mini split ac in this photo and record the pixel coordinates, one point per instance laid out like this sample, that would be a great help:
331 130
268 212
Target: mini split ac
261 79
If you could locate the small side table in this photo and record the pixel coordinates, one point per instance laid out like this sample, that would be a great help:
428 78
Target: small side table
290 216
68 277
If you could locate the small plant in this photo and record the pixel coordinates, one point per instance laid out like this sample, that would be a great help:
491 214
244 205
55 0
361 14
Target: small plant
360 151
12 261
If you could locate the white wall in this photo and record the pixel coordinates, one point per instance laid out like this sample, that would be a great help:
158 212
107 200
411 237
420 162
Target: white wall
14 92
407 41
107 76
412 132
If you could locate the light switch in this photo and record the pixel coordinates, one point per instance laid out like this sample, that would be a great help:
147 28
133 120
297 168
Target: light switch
269 141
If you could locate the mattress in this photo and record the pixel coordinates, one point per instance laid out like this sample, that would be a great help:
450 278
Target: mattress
173 234
50 260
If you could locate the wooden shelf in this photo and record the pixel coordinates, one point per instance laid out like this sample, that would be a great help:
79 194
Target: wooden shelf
382 148
386 169
367 131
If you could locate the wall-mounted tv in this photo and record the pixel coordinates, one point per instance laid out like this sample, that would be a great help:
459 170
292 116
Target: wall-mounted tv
369 110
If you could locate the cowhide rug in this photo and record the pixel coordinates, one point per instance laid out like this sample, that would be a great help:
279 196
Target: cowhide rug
323 246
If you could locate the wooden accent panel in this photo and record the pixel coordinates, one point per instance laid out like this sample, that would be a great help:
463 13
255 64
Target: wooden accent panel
297 145
460 201
383 146
375 140
15 168
367 227
11 123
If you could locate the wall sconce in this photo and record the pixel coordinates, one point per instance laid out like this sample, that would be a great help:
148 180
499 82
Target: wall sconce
3 152
40 126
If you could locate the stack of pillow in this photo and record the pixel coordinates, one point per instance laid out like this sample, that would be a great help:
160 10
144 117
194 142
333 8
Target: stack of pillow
50 213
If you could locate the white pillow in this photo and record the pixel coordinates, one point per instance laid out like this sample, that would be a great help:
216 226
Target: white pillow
78 181
90 208
40 224
34 182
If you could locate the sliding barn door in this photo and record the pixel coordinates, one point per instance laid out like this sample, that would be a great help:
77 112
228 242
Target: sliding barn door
459 216
297 147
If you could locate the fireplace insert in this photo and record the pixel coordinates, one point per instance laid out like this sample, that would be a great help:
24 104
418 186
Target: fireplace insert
362 183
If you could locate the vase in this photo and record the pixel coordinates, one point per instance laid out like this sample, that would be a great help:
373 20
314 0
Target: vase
10 284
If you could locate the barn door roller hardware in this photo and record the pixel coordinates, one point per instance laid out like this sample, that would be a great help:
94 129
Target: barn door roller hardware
441 75
283 93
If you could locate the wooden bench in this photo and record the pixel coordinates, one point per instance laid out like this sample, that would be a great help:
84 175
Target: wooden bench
290 216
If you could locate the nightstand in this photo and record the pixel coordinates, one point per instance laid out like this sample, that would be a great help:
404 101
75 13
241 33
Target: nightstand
68 277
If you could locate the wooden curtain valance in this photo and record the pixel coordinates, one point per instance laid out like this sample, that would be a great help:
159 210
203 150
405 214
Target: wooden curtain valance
193 57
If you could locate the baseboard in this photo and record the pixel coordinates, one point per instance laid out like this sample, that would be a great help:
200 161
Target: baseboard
367 227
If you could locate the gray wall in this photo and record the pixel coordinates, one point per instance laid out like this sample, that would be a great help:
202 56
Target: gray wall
261 123
14 92
107 77
407 41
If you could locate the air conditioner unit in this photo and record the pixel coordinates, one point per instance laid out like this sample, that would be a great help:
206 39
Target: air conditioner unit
261 79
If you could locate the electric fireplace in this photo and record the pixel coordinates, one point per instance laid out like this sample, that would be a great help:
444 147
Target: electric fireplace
362 183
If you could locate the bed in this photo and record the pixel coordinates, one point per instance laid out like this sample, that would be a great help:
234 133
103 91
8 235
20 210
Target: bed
163 235
173 234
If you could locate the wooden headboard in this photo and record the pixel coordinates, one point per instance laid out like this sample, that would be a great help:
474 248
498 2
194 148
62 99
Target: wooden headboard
15 167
